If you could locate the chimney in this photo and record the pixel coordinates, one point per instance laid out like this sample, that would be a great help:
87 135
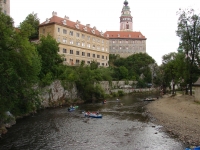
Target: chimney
66 17
54 13
87 25
78 22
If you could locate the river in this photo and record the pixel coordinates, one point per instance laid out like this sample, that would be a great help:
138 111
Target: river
124 126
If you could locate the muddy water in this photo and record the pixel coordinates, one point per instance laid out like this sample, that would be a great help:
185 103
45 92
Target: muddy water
124 126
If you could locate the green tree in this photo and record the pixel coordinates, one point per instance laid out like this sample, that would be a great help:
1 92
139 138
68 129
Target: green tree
136 65
30 26
93 65
19 68
50 59
189 33
174 70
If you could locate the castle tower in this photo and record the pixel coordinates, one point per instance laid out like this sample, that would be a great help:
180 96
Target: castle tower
5 6
126 23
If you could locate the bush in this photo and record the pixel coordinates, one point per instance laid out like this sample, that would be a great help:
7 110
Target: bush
121 93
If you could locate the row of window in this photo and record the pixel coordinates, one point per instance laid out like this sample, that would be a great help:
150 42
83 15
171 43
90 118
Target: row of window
78 43
128 41
131 48
84 54
71 61
78 35
126 51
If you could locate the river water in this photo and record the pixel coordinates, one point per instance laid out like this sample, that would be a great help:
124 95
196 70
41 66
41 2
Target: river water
124 126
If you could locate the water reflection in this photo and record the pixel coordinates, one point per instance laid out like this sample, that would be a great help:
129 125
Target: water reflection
124 126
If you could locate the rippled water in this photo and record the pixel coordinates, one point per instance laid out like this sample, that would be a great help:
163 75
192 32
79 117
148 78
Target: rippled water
124 126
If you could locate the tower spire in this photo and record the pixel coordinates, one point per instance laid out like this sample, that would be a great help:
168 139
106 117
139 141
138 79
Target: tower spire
126 23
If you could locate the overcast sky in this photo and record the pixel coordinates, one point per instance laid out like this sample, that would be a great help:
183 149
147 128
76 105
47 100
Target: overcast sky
155 19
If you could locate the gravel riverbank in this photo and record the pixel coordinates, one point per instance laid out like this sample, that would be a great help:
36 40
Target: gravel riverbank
179 115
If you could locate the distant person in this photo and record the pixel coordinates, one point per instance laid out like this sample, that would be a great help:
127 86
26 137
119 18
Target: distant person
97 112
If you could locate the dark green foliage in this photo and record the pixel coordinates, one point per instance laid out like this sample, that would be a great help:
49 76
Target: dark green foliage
132 67
93 65
19 68
121 93
189 33
30 26
50 59
141 83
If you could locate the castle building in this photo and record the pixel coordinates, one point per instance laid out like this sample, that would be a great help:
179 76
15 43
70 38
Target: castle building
126 41
77 42
5 6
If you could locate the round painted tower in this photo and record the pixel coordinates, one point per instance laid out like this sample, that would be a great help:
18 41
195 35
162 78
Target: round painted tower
126 22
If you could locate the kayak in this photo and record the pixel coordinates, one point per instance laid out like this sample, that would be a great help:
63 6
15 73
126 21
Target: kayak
93 115
72 108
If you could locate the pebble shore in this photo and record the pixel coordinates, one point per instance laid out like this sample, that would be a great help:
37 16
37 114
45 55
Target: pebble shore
179 115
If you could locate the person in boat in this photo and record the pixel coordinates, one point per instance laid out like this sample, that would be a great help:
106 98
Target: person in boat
97 112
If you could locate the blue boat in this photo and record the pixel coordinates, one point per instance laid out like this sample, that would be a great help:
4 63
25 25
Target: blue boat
195 148
72 108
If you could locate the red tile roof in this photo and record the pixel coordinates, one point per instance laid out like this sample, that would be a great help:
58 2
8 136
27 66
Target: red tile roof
70 24
124 34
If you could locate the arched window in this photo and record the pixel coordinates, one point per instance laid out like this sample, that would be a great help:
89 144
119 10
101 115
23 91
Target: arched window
127 26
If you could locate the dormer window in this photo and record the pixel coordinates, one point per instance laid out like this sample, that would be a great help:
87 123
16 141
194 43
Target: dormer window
129 35
107 35
85 28
64 22
77 26
118 35
101 33
93 31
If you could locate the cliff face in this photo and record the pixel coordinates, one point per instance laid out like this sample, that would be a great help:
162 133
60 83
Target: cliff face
55 94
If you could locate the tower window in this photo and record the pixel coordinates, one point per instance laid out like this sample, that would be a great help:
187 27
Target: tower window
127 26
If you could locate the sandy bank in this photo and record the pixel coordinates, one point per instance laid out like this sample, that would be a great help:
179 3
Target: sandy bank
179 115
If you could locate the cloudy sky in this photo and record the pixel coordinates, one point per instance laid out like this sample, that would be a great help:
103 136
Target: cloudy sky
155 19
